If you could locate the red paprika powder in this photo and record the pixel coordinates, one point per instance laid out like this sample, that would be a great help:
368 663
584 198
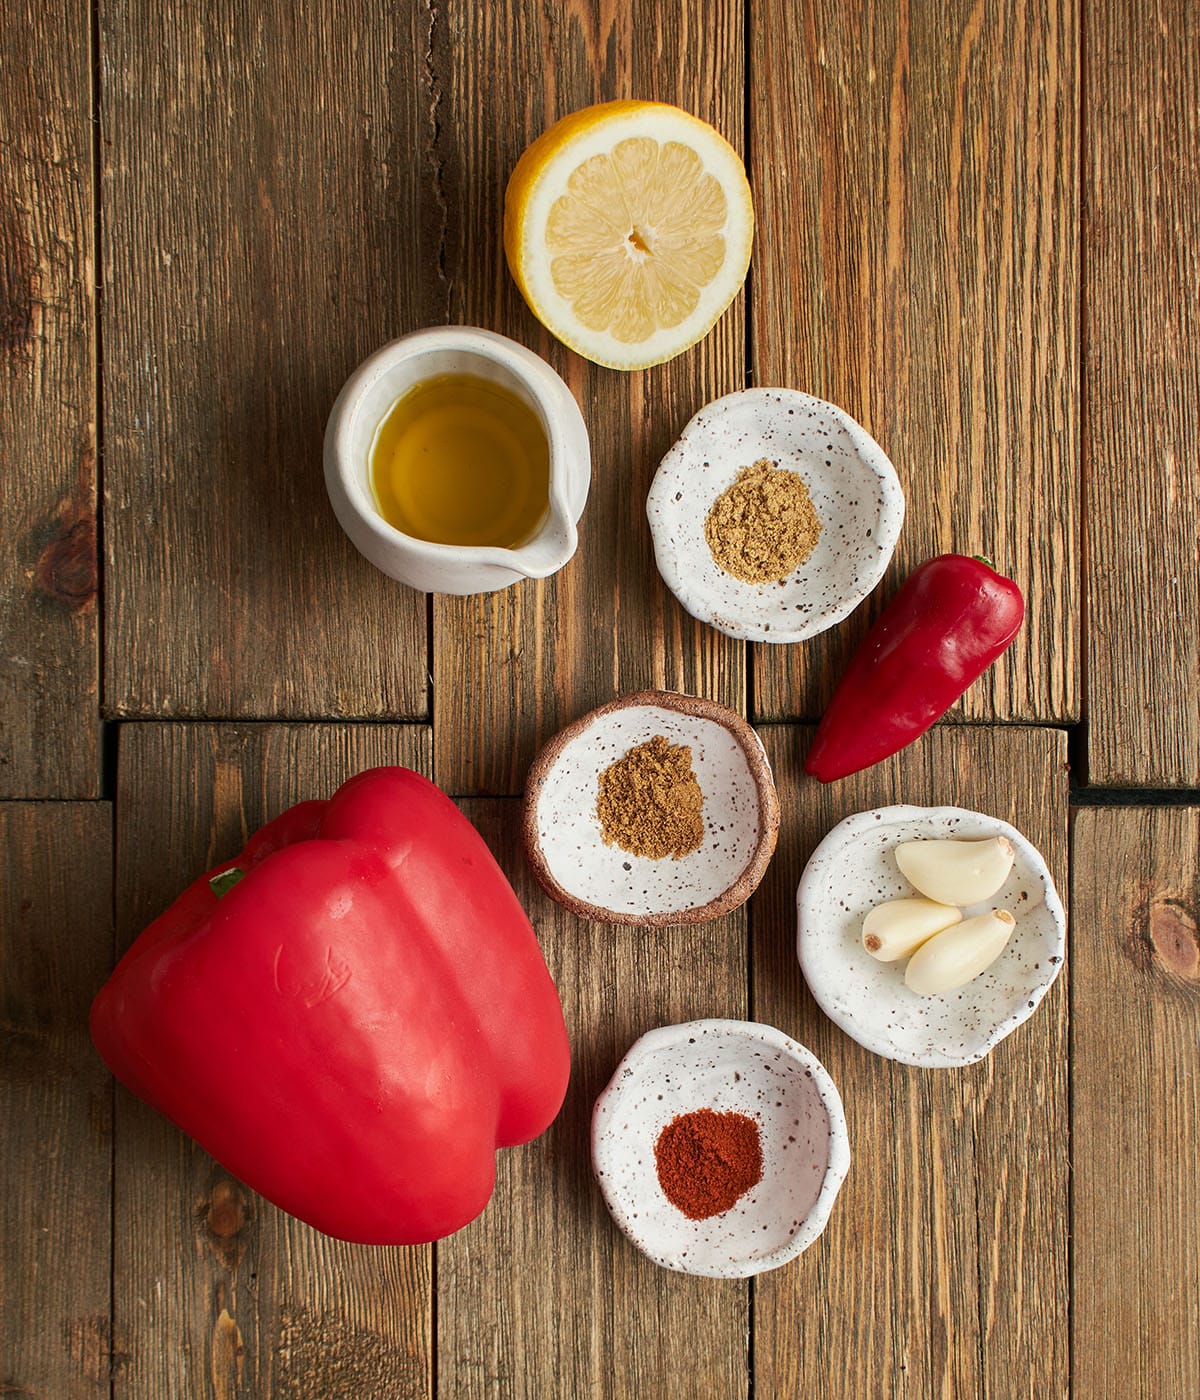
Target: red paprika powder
707 1161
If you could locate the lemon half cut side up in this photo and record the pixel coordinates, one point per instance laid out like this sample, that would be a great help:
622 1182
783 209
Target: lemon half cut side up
628 227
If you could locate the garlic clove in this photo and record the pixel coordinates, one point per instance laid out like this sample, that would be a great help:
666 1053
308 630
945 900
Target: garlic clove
958 955
897 928
956 872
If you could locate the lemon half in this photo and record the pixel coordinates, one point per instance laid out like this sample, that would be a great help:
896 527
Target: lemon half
628 227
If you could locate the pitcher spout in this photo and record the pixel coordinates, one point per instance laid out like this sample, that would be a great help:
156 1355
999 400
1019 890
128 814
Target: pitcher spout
553 545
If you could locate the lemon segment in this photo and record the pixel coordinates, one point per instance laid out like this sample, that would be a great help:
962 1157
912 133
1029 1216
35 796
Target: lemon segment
628 228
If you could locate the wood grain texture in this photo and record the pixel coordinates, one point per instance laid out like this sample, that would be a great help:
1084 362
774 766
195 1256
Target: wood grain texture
914 171
270 218
543 1296
216 1291
49 644
1141 246
1135 1121
56 942
944 1269
511 668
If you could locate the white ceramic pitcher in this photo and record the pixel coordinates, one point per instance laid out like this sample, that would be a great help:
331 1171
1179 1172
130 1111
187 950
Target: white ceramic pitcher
364 402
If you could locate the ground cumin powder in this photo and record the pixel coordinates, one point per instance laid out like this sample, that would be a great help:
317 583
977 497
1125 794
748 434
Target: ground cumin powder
707 1161
650 801
764 525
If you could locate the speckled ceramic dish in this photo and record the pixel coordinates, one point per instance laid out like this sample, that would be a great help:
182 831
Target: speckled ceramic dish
852 870
729 1067
853 487
740 814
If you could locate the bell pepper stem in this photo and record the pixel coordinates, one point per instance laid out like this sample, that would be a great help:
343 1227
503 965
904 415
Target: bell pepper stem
221 884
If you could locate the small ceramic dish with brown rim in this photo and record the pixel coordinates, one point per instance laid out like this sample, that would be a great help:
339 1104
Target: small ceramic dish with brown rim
736 825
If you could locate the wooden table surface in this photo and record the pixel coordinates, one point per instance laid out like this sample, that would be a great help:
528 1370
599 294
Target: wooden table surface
979 232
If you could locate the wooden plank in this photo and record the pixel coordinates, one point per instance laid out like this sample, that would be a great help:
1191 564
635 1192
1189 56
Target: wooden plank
268 181
214 1287
944 1267
49 646
543 1296
513 667
915 172
1141 248
1135 1120
56 941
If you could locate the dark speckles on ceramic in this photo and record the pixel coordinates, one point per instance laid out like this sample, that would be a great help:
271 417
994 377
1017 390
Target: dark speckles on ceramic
740 813
853 487
728 1066
854 869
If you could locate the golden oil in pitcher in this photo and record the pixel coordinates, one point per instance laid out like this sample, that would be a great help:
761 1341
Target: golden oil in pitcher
459 460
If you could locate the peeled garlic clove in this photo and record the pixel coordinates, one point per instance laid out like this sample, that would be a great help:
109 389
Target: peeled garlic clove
895 929
958 955
956 872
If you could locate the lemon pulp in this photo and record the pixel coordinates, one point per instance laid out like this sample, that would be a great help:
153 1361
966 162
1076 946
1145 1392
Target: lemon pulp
461 461
636 237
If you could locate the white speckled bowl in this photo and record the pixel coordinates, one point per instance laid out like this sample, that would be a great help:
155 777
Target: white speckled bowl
740 813
854 869
730 1067
853 487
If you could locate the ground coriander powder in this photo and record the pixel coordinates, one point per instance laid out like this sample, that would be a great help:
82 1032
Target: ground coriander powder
650 803
764 525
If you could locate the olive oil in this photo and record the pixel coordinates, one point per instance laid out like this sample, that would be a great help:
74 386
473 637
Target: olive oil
461 461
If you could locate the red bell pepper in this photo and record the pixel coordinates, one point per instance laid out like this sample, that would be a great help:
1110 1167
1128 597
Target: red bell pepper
950 620
351 1016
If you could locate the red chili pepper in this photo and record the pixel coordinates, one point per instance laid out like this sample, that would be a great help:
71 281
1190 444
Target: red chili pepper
950 620
351 1017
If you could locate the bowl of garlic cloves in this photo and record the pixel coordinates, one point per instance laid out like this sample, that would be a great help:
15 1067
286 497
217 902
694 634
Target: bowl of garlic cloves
928 934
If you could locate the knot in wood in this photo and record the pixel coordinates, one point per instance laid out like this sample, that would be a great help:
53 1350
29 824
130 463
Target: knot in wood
66 568
1175 939
226 1216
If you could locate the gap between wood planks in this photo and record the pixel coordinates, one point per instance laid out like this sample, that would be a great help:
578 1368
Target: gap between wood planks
1082 794
98 334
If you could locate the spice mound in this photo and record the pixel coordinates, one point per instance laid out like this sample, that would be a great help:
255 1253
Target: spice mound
707 1161
650 801
764 525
